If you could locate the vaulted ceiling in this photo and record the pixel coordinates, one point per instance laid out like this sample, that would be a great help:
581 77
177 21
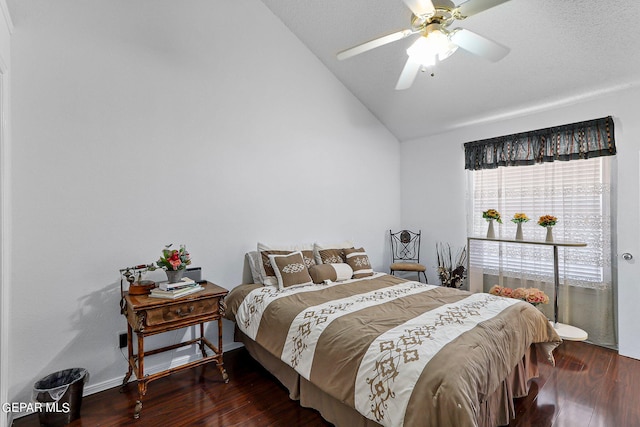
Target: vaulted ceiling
561 51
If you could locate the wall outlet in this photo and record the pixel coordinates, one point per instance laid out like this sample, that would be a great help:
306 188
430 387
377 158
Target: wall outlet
123 340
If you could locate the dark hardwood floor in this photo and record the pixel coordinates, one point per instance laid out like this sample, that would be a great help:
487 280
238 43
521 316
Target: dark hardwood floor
590 386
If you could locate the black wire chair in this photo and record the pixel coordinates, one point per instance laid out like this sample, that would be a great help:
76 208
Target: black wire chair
405 251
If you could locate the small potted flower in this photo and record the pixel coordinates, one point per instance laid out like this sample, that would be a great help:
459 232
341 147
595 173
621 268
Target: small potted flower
491 215
519 218
174 262
548 221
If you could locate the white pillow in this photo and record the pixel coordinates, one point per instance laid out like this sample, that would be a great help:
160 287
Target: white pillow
253 258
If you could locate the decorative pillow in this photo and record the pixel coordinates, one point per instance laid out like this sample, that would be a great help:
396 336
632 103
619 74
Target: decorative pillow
359 262
330 254
290 269
309 259
267 273
330 272
254 266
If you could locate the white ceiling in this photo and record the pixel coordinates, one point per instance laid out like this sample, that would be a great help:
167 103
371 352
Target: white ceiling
561 51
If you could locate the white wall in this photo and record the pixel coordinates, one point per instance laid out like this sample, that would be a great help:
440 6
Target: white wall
5 217
433 187
137 124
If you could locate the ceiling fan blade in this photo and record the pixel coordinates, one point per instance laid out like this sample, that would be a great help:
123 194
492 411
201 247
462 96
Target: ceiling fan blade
472 7
478 45
408 74
372 44
421 7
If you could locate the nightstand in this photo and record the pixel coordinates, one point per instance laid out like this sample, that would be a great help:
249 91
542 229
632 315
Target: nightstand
148 316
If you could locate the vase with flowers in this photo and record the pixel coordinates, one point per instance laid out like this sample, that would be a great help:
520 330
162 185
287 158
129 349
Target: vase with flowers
518 219
174 262
548 221
491 215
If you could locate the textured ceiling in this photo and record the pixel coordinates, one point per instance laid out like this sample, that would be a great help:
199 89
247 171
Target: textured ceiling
560 51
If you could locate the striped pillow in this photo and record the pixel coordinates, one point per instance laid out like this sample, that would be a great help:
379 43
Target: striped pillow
323 273
359 262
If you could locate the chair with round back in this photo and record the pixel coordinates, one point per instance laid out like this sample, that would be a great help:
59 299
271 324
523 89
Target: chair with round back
405 251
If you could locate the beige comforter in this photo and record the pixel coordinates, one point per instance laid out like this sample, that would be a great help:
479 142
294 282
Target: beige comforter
399 352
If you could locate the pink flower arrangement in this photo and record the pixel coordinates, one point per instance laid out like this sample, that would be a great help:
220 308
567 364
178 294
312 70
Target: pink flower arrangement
531 295
501 291
174 259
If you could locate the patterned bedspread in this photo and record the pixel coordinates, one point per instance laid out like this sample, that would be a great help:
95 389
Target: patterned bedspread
399 352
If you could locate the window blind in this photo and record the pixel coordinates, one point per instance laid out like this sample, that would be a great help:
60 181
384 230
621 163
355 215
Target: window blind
576 192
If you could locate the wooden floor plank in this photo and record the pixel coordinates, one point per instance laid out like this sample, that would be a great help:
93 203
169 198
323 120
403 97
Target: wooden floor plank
619 395
590 386
579 378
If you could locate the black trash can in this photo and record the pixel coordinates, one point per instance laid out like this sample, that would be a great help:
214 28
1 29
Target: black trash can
58 396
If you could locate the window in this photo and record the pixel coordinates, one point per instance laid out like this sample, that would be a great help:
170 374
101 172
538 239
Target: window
576 192
562 171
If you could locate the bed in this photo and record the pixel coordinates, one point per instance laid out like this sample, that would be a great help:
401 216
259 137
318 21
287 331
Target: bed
381 350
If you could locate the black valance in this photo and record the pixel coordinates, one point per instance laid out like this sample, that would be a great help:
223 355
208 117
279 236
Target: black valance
583 140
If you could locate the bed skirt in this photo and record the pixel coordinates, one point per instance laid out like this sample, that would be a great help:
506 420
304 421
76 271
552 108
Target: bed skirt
496 410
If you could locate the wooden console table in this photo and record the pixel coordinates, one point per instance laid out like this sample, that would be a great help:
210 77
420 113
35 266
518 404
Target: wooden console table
148 316
566 332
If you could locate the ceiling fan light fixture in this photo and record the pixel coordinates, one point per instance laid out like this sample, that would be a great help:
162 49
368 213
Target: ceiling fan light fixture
433 44
436 42
422 51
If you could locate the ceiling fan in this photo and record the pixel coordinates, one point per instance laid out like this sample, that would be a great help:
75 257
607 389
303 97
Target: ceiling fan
436 42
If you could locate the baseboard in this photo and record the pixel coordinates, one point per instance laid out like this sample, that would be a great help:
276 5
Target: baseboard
90 389
149 369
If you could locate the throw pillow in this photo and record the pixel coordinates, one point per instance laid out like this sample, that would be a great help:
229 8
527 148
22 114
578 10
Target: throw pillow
328 254
359 262
320 273
332 256
252 259
290 269
268 276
